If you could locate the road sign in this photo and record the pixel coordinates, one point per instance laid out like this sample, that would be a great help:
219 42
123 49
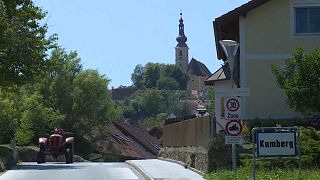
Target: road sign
232 108
234 128
232 92
275 143
233 139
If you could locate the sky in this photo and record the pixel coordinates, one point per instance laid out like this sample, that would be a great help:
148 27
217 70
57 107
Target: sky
113 36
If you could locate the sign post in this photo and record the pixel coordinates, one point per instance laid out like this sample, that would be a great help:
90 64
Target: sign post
275 143
234 126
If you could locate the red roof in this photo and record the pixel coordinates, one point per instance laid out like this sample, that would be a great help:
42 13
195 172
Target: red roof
141 135
127 146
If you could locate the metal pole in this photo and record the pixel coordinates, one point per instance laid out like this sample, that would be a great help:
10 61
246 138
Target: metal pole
234 158
234 147
253 154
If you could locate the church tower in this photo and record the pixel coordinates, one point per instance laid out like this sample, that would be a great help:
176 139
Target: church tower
182 48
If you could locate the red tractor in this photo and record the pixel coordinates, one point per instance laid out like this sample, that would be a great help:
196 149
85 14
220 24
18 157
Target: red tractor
59 143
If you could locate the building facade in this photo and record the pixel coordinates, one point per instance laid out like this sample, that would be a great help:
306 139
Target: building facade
268 31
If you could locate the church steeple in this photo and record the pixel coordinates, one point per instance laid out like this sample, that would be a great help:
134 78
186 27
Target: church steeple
181 39
182 59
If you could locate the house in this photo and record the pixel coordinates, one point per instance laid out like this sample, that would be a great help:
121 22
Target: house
196 70
267 31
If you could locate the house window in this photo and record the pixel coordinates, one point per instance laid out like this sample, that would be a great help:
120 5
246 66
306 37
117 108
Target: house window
307 20
180 53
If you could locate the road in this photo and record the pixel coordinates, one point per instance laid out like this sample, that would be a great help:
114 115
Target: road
76 171
158 169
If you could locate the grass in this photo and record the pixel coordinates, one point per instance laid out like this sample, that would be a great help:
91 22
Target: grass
245 173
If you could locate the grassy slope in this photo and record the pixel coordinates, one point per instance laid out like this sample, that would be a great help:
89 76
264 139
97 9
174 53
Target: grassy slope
245 173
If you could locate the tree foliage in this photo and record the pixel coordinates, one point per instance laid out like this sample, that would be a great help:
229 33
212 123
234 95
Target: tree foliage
167 83
151 74
137 76
161 76
174 72
300 80
92 106
23 43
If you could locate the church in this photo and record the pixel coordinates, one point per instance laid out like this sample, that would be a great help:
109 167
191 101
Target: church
197 71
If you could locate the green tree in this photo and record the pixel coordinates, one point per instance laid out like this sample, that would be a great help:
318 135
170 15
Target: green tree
152 102
8 116
57 83
35 118
167 83
23 43
174 72
300 80
151 75
92 105
137 76
210 98
158 121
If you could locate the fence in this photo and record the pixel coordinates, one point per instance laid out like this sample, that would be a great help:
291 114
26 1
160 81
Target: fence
192 132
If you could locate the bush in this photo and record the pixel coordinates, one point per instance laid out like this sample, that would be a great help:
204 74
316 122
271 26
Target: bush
310 147
310 153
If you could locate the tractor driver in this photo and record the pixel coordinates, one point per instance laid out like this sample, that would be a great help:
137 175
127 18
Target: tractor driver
59 130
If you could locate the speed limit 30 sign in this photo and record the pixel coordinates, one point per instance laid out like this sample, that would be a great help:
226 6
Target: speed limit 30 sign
232 109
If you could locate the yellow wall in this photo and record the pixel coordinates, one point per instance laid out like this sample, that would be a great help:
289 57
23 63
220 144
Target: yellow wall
269 30
270 39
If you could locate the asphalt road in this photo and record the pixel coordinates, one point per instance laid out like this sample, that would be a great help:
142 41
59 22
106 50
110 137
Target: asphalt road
76 171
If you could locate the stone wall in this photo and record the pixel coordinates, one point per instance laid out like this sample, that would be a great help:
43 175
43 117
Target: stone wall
198 157
195 157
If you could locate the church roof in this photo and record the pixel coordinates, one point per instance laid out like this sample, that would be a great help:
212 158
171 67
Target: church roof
181 39
197 68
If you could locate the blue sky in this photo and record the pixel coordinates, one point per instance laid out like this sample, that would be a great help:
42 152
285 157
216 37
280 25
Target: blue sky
114 36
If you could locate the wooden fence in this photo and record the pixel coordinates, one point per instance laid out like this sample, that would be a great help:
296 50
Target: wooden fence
192 132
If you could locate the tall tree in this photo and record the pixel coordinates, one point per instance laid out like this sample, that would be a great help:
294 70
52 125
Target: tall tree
167 83
35 118
152 102
137 76
23 44
151 74
56 85
174 72
300 80
92 105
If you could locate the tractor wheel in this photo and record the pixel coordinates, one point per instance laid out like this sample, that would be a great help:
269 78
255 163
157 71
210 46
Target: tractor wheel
71 153
40 157
67 154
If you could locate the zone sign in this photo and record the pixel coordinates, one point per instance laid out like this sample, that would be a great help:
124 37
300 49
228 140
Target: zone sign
232 108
